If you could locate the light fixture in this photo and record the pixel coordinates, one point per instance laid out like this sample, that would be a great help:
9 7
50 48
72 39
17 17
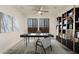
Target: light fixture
40 13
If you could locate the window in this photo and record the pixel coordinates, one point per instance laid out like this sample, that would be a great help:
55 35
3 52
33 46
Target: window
44 25
8 23
35 24
16 26
32 25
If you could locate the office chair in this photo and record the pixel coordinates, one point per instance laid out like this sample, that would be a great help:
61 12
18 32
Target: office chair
44 43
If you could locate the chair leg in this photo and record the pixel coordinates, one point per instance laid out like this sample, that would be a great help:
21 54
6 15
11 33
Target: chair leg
35 48
51 47
44 49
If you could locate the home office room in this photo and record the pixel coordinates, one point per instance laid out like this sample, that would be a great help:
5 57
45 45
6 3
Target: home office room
39 29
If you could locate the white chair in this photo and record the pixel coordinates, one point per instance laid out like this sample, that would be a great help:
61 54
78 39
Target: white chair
44 43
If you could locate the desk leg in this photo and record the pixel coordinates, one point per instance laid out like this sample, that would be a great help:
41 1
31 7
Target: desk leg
26 41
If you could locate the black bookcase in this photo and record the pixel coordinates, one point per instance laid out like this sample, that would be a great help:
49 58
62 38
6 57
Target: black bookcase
68 26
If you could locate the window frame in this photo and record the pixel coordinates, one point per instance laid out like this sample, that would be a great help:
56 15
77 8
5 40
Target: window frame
44 26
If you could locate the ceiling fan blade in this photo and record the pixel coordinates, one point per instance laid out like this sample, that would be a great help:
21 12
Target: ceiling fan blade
44 11
36 10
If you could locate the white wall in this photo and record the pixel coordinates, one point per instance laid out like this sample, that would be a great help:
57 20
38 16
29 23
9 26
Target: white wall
7 40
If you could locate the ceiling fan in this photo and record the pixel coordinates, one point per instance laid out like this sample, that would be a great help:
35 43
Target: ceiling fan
40 10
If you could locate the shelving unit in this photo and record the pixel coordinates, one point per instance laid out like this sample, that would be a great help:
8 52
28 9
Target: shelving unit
68 34
59 28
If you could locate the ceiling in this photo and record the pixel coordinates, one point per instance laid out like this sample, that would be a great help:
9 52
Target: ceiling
53 9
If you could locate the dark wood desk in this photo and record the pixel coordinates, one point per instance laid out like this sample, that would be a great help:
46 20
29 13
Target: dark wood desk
29 35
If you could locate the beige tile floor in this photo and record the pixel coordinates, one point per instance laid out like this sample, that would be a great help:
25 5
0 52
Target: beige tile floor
20 48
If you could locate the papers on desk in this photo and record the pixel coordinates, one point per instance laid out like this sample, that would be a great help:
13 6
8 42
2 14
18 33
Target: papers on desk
32 34
38 34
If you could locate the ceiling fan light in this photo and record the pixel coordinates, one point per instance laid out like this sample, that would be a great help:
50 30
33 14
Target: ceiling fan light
39 12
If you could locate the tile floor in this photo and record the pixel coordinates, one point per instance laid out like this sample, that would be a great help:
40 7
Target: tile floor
20 48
